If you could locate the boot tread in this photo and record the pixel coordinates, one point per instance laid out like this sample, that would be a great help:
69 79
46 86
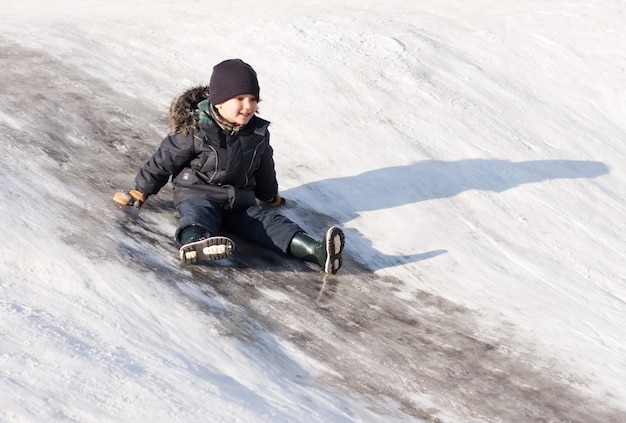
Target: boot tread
334 241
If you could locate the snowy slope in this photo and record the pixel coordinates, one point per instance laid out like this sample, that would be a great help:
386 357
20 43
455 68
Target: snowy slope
473 152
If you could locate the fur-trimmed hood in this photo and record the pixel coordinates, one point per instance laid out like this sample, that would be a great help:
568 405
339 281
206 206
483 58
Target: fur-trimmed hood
181 118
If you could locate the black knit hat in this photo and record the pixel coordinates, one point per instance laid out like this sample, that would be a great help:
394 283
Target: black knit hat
231 78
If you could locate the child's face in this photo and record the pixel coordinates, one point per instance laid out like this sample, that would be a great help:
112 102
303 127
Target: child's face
238 110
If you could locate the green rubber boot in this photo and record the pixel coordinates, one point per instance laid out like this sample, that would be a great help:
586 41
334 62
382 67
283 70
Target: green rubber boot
197 244
192 233
325 253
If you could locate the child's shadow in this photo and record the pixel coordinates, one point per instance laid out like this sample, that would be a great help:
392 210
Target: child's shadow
339 200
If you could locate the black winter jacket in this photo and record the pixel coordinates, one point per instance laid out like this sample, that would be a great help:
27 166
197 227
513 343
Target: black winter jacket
208 163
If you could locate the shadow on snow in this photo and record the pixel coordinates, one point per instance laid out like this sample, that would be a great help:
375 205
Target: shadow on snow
428 180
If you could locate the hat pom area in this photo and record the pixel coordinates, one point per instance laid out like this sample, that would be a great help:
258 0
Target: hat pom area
231 78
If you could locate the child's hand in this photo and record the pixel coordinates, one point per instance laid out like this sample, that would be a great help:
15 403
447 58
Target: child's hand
133 198
276 201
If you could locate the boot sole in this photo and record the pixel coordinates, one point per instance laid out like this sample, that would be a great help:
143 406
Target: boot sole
213 248
335 241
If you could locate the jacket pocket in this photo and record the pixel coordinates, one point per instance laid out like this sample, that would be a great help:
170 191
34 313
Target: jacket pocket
206 164
252 161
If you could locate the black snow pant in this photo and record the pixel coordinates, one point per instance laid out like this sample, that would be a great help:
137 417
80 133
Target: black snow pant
260 224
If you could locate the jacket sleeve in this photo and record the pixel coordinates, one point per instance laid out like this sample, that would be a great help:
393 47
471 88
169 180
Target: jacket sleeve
173 154
266 184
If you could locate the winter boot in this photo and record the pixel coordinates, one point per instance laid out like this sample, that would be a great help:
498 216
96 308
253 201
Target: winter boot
192 233
325 253
199 245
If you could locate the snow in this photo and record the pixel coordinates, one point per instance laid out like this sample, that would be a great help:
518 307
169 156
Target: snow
472 151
